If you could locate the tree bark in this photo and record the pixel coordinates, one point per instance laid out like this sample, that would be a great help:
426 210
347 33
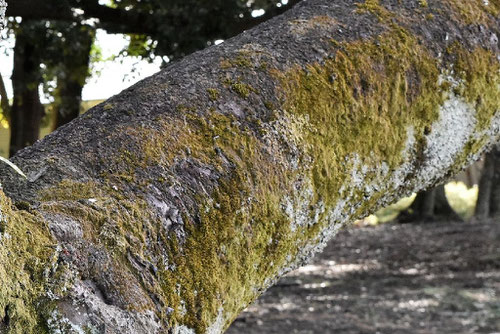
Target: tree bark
3 9
27 111
173 205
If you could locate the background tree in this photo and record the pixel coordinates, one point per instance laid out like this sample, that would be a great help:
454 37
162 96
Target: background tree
429 205
488 200
27 110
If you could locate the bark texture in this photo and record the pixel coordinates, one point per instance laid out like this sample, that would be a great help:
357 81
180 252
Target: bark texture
173 205
3 8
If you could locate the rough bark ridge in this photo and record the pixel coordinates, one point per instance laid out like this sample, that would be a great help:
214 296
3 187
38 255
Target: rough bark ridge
171 206
3 9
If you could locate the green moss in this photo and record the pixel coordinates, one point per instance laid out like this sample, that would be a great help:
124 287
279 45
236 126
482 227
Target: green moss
71 190
26 256
363 101
474 11
374 7
239 87
479 74
423 3
213 94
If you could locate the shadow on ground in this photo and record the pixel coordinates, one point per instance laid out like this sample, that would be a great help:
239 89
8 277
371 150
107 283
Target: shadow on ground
428 278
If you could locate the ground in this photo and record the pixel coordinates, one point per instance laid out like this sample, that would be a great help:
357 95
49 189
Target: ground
438 277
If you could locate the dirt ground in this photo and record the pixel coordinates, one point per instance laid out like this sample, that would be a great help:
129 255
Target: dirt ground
426 278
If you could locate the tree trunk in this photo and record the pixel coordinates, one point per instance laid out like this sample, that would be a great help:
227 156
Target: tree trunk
72 74
495 192
4 103
27 111
482 210
429 205
422 207
173 205
488 199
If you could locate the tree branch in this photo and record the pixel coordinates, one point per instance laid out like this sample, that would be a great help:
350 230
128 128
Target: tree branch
173 205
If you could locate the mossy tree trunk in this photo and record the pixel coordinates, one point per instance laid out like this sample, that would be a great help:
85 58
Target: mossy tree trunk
173 205
488 200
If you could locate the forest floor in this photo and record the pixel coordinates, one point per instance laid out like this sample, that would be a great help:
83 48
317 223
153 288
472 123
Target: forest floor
438 277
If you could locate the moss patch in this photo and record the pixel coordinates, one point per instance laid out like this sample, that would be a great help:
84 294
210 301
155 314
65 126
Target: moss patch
26 258
374 7
213 94
363 101
479 74
474 11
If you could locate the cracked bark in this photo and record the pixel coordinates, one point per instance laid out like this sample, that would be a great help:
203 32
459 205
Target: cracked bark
173 205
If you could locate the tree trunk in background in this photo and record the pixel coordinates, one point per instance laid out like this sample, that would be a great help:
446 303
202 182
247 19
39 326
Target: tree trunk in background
173 205
5 105
488 199
442 207
72 74
422 207
484 188
27 111
495 193
429 205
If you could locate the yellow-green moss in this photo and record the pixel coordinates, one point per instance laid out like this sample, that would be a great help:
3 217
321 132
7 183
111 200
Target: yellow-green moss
374 7
26 256
71 190
239 87
363 101
479 74
474 11
213 94
241 60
